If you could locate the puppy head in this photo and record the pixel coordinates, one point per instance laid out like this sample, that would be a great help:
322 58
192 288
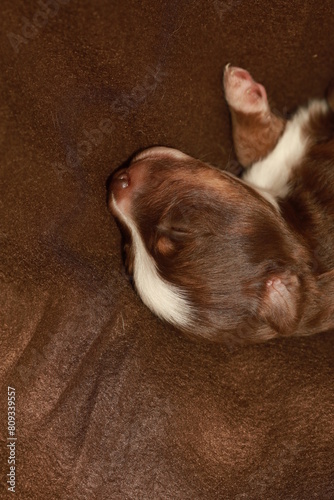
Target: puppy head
208 253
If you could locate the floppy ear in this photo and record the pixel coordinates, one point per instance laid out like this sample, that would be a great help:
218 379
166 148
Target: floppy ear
281 302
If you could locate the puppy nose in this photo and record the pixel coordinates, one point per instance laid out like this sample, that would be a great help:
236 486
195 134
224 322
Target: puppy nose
124 185
120 180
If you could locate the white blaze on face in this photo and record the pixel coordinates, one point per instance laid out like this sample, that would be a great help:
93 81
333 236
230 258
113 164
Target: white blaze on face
164 299
160 152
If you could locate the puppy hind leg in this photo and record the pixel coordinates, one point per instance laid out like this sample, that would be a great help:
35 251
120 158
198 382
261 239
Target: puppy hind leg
256 129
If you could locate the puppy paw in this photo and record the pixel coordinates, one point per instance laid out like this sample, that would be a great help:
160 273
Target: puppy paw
242 93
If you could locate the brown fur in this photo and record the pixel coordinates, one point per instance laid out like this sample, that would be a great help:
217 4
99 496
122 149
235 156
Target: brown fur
247 270
254 136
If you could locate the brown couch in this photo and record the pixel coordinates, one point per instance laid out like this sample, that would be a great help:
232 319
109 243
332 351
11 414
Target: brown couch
111 403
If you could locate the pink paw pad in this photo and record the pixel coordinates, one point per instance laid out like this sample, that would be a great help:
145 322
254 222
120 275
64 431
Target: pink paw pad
243 93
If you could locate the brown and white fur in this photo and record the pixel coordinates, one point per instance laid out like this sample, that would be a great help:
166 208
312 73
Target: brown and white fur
231 259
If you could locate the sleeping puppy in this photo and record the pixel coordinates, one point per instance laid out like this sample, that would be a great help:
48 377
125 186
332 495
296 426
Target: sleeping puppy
229 259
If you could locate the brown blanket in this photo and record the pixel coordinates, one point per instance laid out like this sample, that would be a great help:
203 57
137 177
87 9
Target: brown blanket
109 402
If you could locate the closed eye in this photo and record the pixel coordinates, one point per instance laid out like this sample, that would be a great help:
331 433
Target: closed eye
174 233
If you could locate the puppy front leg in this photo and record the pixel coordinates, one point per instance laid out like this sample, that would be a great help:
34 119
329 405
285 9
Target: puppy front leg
256 129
